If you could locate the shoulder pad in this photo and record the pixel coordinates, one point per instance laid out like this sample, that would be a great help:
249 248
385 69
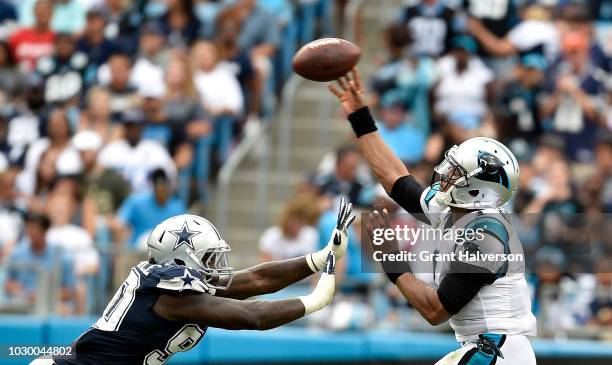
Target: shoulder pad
173 278
491 226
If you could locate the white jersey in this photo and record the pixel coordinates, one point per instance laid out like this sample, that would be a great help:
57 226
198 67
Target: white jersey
503 307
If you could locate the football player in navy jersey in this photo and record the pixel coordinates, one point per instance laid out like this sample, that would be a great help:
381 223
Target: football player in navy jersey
166 304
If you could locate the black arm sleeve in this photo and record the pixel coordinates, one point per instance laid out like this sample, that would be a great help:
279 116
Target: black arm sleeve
457 289
406 192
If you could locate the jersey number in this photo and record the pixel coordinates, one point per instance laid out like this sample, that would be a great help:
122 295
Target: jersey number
119 305
183 340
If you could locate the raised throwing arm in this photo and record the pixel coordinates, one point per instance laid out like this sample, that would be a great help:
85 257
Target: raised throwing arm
384 163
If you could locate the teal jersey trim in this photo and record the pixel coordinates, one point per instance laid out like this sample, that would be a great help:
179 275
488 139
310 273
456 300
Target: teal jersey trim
431 193
495 228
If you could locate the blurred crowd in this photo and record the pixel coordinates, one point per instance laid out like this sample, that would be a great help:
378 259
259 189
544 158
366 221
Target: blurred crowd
536 75
115 115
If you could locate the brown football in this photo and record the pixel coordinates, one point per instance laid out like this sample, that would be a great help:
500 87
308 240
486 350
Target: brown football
326 59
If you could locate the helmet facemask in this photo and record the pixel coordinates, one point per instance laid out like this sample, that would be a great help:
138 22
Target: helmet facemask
450 175
214 266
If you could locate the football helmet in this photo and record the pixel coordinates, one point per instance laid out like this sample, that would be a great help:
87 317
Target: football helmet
479 173
192 241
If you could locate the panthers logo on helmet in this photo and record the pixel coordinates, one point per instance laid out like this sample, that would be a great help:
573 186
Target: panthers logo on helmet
492 169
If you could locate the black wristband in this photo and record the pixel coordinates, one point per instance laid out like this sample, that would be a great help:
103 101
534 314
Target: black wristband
362 122
393 276
395 269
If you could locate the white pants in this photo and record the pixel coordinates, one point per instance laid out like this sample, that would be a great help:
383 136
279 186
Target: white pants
515 350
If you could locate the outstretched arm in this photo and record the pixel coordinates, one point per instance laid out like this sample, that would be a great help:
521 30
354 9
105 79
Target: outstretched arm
265 278
384 163
233 314
273 276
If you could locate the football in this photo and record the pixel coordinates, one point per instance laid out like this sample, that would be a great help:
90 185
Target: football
326 59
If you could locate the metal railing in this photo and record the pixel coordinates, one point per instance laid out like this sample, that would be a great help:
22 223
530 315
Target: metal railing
325 111
260 139
248 144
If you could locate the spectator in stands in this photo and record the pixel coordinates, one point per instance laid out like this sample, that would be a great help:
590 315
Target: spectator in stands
134 157
68 15
160 129
143 210
104 187
571 106
259 36
75 241
555 298
94 42
227 31
8 18
11 80
601 306
25 117
432 25
180 25
551 184
216 83
596 193
34 262
402 133
220 92
42 156
259 33
63 72
463 92
97 116
497 18
114 13
517 108
116 76
535 33
152 56
29 44
11 221
294 235
183 108
344 180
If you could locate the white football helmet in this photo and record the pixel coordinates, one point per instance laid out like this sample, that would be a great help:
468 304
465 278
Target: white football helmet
482 173
192 241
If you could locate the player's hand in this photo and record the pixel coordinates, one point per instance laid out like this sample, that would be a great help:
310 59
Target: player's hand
323 293
351 93
376 225
338 240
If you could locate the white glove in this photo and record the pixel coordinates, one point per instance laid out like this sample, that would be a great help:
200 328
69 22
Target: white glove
323 293
338 241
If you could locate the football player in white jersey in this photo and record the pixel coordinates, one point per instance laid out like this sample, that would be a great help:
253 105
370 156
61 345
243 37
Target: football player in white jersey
486 301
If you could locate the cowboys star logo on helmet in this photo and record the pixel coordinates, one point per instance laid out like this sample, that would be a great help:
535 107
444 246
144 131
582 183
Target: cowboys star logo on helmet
184 236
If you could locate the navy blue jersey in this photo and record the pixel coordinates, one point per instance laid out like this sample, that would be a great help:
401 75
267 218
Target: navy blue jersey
129 331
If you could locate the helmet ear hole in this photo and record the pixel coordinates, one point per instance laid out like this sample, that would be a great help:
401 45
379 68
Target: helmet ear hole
179 262
473 193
